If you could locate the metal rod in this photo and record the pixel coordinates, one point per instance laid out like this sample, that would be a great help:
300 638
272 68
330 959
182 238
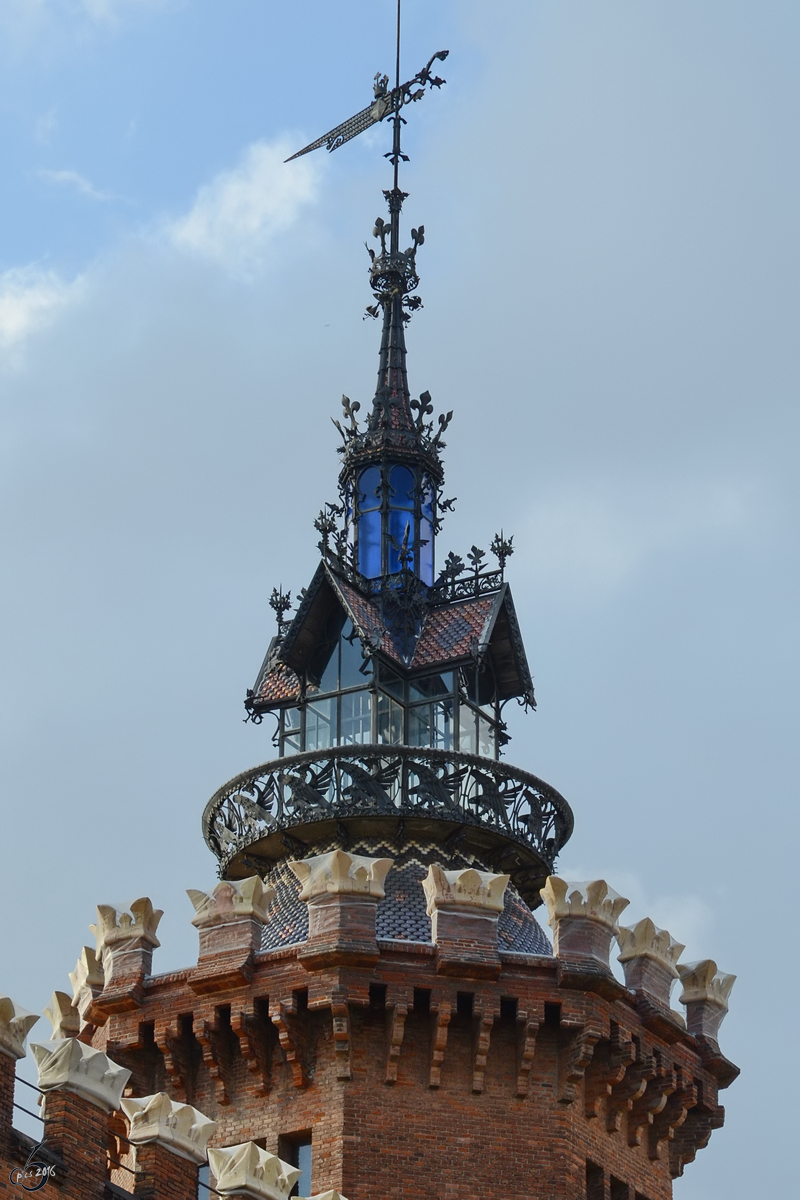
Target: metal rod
30 1085
35 1116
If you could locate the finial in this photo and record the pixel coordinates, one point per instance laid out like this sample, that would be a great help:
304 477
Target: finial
280 602
502 549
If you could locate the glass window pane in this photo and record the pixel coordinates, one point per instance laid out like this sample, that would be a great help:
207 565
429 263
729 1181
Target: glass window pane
304 1166
330 676
466 730
426 551
369 544
390 721
369 489
419 725
401 488
427 498
355 668
431 685
393 683
442 725
485 738
399 522
320 731
356 718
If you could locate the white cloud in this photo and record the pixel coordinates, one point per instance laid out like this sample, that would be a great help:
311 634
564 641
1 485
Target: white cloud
30 298
75 180
236 219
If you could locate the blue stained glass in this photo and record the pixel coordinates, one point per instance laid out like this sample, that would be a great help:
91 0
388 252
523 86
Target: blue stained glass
401 488
426 551
369 489
369 544
399 521
427 498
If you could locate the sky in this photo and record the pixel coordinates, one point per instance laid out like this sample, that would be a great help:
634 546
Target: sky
610 278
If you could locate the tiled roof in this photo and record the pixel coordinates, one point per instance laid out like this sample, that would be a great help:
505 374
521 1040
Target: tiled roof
449 632
279 683
402 914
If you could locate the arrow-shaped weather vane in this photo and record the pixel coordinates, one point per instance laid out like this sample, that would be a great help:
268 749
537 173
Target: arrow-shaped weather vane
386 103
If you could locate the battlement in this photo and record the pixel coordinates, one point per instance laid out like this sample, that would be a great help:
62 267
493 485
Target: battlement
540 1050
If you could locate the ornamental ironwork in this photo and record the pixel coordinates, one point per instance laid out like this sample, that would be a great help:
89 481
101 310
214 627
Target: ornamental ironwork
386 781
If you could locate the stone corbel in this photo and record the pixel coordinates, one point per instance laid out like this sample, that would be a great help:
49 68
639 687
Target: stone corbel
672 1115
705 995
464 907
15 1025
483 1020
342 892
167 1037
644 1110
694 1133
178 1127
87 982
230 921
574 1057
125 939
610 1061
72 1066
248 1171
527 1030
441 1020
328 1196
397 1014
284 1018
215 1043
252 1030
631 1087
584 917
63 1017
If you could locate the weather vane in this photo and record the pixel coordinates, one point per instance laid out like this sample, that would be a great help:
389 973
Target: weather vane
385 105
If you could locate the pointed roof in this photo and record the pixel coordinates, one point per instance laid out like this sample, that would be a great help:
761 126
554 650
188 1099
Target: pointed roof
451 634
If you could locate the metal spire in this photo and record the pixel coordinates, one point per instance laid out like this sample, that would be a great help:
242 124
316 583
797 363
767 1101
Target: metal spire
393 272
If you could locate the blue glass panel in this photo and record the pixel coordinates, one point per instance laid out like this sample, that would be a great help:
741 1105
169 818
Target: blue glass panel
398 521
401 488
369 489
369 544
426 551
427 498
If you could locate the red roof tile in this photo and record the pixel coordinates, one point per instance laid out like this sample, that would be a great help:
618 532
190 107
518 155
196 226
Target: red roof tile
280 683
449 633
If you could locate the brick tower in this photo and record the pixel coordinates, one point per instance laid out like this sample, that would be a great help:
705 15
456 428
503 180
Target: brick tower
375 1010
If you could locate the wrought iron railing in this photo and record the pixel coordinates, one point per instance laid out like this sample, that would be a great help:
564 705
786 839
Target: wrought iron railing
402 781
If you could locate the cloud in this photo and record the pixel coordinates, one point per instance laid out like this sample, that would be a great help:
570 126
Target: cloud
75 180
30 298
237 217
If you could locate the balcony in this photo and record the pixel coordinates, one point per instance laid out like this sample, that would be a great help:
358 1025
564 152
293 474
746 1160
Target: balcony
508 819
